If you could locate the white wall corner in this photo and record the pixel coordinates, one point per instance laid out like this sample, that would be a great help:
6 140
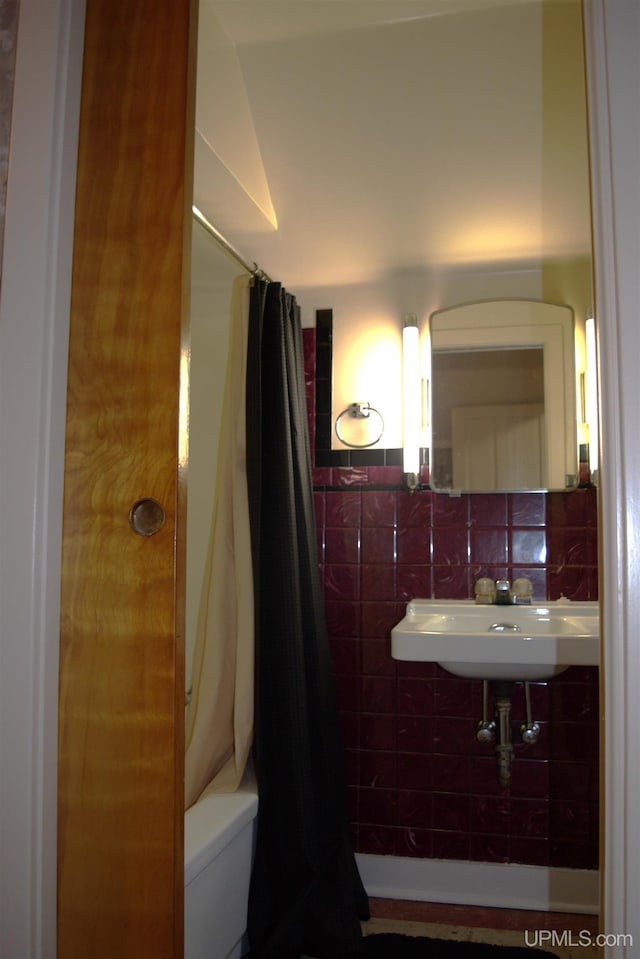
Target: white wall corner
34 318
612 33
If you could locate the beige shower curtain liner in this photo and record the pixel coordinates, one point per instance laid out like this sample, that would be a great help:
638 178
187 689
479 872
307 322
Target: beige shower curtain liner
219 724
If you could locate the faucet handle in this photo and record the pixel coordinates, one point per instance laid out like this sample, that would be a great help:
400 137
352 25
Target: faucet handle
485 591
522 591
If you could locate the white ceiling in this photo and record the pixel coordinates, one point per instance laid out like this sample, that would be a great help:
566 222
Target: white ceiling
394 135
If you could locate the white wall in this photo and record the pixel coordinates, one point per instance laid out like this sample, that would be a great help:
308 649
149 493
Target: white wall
613 41
34 314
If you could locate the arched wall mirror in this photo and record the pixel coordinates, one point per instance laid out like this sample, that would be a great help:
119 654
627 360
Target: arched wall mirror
503 397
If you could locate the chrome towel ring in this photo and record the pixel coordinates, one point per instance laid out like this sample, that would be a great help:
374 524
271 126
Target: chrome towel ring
359 411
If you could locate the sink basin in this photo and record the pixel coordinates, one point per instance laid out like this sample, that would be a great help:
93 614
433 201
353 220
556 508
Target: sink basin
499 642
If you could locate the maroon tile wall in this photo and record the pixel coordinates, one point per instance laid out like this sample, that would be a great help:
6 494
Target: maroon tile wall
421 785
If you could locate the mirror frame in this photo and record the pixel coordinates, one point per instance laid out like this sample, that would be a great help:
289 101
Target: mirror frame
522 324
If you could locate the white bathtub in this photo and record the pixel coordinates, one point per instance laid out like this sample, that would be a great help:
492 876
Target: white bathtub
218 853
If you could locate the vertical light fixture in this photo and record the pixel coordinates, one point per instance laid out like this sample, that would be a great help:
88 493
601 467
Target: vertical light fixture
411 400
592 397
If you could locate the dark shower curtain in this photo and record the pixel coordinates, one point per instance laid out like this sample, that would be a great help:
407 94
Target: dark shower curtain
306 895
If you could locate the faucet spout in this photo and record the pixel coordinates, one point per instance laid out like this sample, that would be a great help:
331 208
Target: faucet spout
503 593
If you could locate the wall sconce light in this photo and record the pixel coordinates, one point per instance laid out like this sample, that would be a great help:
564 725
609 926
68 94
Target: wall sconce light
591 398
411 400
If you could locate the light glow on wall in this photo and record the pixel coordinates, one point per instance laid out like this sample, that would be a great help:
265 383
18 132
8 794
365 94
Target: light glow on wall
367 368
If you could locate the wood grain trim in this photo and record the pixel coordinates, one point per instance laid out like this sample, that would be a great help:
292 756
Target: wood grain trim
121 752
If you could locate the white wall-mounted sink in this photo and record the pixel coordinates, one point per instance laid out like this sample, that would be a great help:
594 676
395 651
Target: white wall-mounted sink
513 643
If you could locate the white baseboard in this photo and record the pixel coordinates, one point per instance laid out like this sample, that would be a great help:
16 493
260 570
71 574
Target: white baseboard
500 885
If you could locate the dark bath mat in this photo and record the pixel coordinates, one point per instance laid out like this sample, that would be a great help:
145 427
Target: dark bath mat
393 946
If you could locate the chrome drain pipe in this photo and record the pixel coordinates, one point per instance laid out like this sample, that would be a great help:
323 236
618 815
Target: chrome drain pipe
504 746
490 730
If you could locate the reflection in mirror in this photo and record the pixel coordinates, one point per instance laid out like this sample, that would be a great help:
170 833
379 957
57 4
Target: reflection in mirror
490 419
503 397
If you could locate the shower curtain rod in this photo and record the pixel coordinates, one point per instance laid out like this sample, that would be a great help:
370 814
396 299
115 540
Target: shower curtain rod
219 238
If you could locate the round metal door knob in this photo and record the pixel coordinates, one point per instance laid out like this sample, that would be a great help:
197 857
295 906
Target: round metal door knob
146 516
